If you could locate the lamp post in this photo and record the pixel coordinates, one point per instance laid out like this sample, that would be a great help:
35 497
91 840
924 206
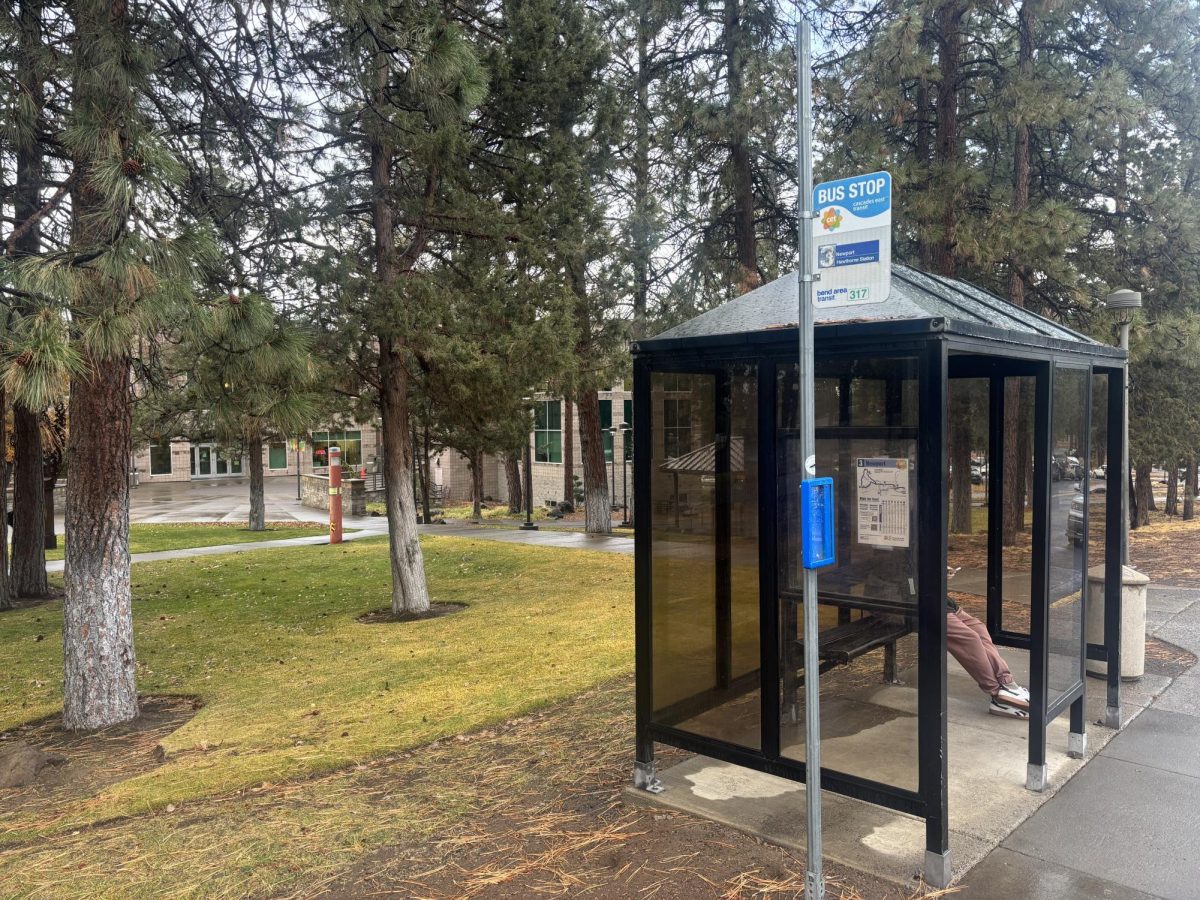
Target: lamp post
626 437
1125 303
528 526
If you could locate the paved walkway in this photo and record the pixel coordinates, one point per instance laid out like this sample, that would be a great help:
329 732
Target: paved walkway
1127 826
543 537
374 526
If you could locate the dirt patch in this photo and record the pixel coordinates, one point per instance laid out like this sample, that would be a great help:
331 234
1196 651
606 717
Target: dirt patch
549 815
1163 658
386 616
1168 550
56 593
21 764
92 761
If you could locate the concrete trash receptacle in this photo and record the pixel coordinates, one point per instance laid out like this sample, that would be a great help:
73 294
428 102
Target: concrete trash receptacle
1133 621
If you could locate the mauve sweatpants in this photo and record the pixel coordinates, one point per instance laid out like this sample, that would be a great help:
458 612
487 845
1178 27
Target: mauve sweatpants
968 641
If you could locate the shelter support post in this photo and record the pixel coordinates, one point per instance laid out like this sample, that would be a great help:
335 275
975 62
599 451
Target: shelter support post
645 774
995 501
1077 738
1115 537
932 513
1039 599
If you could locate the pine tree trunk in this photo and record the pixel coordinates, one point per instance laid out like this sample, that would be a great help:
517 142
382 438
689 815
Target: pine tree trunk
1018 456
1143 497
641 236
5 592
258 506
741 173
960 465
1017 453
924 150
99 668
28 566
949 19
28 572
1189 490
1025 24
1172 490
410 592
595 472
476 463
568 442
512 474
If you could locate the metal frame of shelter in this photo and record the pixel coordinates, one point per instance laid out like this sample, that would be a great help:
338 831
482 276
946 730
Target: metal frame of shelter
945 329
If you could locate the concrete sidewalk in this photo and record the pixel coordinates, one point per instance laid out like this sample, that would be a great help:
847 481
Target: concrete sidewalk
375 526
356 530
543 537
1128 824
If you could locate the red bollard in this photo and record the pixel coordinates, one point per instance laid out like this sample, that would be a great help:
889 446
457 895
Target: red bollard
335 495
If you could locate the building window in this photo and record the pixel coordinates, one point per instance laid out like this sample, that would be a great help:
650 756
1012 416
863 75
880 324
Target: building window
160 458
547 431
677 427
277 455
606 432
350 443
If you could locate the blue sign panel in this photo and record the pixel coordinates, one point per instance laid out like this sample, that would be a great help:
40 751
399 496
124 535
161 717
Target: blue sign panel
861 197
833 255
816 523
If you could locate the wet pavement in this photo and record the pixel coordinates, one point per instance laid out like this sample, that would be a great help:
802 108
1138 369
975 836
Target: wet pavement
217 500
1128 825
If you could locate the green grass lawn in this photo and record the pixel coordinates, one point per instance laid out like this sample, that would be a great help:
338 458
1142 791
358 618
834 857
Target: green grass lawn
293 685
152 538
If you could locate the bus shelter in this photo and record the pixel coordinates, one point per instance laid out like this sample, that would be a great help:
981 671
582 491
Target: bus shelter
942 373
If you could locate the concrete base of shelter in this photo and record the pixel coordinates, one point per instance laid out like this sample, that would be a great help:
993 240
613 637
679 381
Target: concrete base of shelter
988 756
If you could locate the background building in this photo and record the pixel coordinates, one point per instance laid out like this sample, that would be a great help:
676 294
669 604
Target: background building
182 460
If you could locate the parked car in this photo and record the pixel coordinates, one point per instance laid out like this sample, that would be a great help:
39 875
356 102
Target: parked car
1097 502
1100 471
1066 468
979 473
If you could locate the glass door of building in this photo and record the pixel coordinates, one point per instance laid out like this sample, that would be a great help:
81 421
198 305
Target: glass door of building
211 461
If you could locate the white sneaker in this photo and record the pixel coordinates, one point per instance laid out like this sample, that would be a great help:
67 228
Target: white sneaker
1012 695
1010 712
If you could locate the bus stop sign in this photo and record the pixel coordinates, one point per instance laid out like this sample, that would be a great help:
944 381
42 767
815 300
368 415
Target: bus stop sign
852 240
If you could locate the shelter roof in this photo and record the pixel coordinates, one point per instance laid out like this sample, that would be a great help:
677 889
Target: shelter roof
915 295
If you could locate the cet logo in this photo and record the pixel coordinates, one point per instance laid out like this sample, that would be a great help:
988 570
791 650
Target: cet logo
831 219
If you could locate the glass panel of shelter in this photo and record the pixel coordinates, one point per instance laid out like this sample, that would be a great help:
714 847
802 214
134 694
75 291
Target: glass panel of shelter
1067 553
1093 511
705 601
1010 517
866 416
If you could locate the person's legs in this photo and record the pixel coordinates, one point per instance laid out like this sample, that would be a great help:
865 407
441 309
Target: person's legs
966 646
999 667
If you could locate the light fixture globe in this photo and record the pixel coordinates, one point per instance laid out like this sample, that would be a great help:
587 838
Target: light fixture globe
1124 303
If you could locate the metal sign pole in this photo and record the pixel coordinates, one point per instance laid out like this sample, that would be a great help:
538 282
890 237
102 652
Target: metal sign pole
814 880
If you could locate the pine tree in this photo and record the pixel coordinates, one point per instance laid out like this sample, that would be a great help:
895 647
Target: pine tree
127 268
405 81
548 92
730 92
240 374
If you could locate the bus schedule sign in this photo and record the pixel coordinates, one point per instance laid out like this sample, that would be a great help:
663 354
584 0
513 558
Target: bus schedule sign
853 240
